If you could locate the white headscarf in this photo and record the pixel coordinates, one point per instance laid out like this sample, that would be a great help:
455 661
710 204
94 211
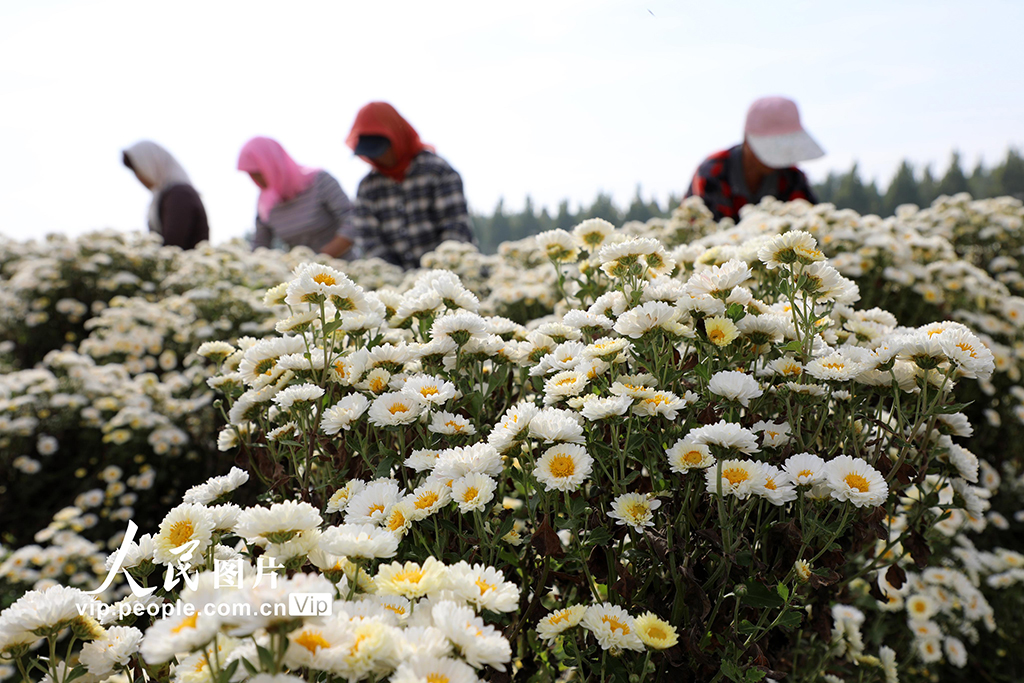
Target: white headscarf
156 165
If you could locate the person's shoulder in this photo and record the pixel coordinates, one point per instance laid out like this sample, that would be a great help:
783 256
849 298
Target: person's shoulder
181 193
427 161
715 163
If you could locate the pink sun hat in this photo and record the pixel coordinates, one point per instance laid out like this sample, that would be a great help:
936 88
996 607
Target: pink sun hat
775 134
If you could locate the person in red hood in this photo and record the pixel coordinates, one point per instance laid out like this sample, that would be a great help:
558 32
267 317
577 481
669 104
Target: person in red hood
412 200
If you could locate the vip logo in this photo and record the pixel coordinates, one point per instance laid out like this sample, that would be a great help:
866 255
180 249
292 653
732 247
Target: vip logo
310 604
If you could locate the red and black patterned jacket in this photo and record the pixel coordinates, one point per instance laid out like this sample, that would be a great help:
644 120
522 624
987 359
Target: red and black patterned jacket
719 181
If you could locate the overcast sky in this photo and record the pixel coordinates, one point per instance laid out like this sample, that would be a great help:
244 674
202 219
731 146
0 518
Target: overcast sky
556 99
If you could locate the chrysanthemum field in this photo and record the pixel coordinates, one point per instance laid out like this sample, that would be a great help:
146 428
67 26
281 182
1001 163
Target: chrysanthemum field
787 449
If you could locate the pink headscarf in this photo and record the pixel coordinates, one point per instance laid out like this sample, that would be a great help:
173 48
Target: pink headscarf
285 179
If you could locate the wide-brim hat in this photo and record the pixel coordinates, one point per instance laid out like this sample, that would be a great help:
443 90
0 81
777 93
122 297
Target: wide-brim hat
775 134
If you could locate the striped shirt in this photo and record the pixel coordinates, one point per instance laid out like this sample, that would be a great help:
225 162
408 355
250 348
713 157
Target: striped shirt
399 222
311 218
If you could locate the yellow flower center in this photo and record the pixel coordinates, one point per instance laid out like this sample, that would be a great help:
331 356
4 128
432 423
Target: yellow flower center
615 625
429 391
693 457
968 349
396 522
636 510
265 366
437 678
805 473
735 475
375 508
359 641
398 407
426 499
181 532
377 385
562 465
397 609
855 481
410 575
770 484
483 586
558 617
716 336
187 622
324 279
312 641
470 495
454 426
564 381
834 365
656 632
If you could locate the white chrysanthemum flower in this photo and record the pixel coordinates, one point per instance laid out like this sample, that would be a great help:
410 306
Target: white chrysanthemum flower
777 487
343 413
735 386
608 349
612 626
301 395
805 469
563 467
215 351
422 459
929 649
216 487
855 480
836 367
563 384
450 424
359 541
686 455
956 653
453 463
480 644
340 498
740 478
635 510
428 498
429 389
652 315
393 409
921 607
183 524
970 356
411 580
592 233
398 518
552 425
560 620
663 403
788 248
426 669
318 645
557 245
369 505
727 435
278 523
772 435
484 587
116 646
512 426
719 281
459 327
596 407
179 633
40 613
473 491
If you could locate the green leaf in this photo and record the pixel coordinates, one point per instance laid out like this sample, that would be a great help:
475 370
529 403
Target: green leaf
754 674
227 673
732 671
782 591
790 619
248 666
735 312
75 673
599 536
758 595
266 658
746 627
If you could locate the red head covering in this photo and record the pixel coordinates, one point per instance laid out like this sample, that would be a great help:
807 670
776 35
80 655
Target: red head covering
380 118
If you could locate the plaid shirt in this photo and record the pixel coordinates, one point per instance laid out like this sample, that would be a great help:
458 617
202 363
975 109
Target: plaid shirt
399 222
720 182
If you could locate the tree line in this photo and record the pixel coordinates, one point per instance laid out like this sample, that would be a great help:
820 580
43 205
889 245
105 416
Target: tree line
845 190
